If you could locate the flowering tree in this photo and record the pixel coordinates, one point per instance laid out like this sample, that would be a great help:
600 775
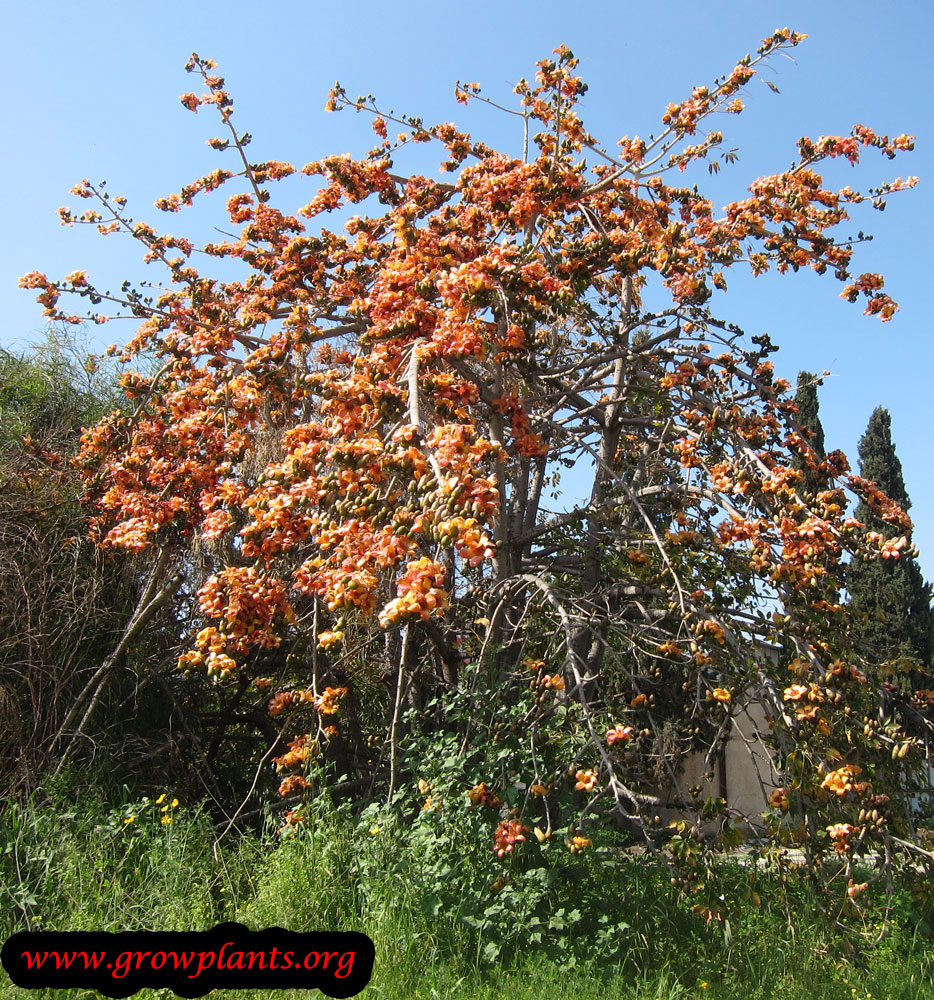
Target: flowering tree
357 442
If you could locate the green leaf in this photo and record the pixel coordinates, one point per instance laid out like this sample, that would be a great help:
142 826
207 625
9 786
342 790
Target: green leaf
491 951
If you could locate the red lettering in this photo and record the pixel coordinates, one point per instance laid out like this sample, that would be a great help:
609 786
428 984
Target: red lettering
209 955
345 965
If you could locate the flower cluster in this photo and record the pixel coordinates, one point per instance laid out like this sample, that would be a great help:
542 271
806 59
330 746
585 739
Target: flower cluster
552 682
300 749
840 781
421 591
293 784
473 545
165 808
840 834
509 833
328 702
247 603
482 796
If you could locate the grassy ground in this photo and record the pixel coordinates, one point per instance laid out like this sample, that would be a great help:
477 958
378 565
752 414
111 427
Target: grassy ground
593 927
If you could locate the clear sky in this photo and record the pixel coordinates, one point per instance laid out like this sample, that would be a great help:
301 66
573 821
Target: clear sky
90 90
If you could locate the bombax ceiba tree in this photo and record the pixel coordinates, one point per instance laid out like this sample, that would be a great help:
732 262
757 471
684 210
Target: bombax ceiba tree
362 440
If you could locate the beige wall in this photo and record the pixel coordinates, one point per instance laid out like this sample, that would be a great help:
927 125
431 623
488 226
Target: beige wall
750 776
743 774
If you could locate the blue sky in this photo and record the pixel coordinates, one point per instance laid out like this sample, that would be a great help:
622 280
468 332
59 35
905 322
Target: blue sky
91 91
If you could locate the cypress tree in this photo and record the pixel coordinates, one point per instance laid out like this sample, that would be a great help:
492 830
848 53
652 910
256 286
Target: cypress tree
810 425
891 600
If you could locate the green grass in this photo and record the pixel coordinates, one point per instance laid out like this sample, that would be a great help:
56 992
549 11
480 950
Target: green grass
574 929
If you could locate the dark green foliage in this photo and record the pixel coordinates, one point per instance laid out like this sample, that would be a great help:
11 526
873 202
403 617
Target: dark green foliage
809 410
809 422
878 462
891 600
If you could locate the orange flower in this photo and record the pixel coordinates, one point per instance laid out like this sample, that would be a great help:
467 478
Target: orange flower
714 629
328 703
586 780
421 592
509 833
840 831
299 751
840 781
840 834
330 638
779 799
619 733
854 891
721 694
576 845
294 783
281 701
480 795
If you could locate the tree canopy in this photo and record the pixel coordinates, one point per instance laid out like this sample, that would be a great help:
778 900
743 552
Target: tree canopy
350 457
892 601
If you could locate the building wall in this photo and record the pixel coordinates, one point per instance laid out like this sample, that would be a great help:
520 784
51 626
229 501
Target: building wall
742 774
750 776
